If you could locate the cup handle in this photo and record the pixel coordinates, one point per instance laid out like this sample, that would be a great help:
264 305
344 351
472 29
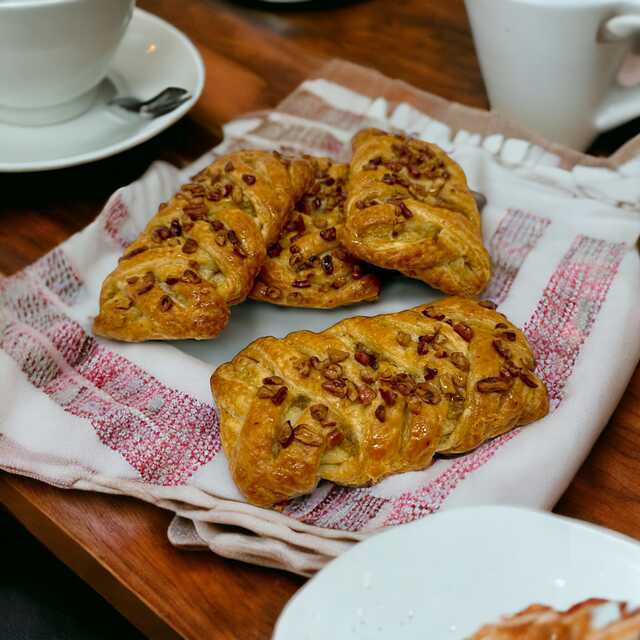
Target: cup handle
622 103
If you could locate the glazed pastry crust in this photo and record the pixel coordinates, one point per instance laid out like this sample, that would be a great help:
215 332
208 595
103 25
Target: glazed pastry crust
409 208
372 396
307 267
201 252
580 622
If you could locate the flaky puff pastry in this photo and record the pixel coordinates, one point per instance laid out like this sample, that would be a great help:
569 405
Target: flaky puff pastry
594 619
409 208
201 252
307 267
372 396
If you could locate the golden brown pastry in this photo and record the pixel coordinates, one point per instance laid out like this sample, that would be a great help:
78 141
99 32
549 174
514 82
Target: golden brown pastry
409 208
594 619
307 267
201 252
372 396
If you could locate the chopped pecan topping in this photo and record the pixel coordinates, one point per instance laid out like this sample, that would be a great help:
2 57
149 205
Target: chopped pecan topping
301 284
319 412
273 380
166 303
285 434
434 315
488 304
228 190
441 353
494 385
501 325
446 385
381 413
315 362
197 211
273 293
388 396
229 166
352 391
464 331
460 360
405 211
132 279
335 387
335 355
366 394
430 373
527 379
160 233
221 238
502 348
171 280
367 377
305 434
509 335
274 250
357 271
217 225
328 234
191 277
190 246
279 396
429 392
366 359
459 379
248 178
332 371
403 339
175 228
327 264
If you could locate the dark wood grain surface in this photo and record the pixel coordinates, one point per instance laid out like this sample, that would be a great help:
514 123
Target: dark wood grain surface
254 57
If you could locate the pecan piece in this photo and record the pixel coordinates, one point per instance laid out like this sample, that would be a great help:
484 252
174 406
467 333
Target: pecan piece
133 252
328 234
319 412
332 371
502 348
381 413
166 303
285 434
388 396
337 388
191 277
175 228
366 394
327 264
160 233
509 335
265 392
190 246
494 385
335 438
403 339
279 396
430 373
305 434
430 313
273 380
464 331
428 392
488 304
414 405
527 379
229 166
248 178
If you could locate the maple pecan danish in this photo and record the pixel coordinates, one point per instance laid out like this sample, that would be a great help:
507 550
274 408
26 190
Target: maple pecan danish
372 396
594 619
201 252
307 267
409 208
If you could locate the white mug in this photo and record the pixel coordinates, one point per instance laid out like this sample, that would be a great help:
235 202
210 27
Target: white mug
53 55
552 65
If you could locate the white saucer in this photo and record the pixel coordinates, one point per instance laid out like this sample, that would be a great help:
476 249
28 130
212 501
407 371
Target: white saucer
443 577
153 55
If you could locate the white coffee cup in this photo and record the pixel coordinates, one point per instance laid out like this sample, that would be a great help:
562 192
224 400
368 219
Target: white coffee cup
552 65
53 55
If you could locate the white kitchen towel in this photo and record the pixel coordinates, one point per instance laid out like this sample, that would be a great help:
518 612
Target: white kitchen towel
138 419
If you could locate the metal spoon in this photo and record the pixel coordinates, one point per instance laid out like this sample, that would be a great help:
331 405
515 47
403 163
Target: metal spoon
167 100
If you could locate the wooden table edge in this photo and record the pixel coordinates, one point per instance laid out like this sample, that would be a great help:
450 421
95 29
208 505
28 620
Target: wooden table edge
83 561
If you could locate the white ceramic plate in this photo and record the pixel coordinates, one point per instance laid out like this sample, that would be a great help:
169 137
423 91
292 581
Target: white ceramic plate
443 577
153 55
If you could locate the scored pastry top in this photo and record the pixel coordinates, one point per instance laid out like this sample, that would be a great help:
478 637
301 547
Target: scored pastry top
372 396
202 250
409 208
306 266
